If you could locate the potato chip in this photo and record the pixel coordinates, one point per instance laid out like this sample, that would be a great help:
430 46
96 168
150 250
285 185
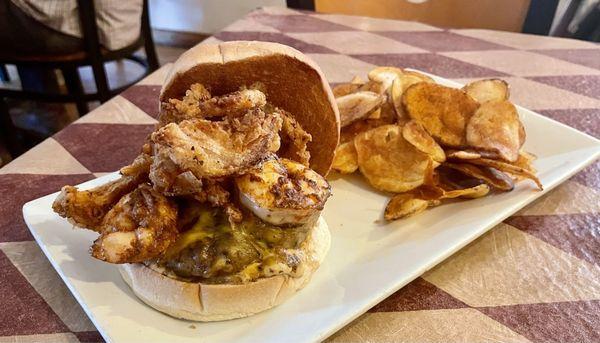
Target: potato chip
427 192
430 142
522 134
488 90
357 80
345 160
496 126
385 75
388 161
430 189
348 133
462 154
470 193
405 205
374 86
382 73
471 154
400 85
357 105
416 74
417 136
490 176
344 89
525 161
509 168
386 116
450 179
443 111
436 188
375 114
431 177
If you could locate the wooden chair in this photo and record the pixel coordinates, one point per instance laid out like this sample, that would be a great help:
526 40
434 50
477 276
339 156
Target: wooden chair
17 140
91 55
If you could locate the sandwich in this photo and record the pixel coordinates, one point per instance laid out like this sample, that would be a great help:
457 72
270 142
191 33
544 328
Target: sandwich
219 217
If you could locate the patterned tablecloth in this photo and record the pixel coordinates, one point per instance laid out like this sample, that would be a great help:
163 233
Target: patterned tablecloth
535 277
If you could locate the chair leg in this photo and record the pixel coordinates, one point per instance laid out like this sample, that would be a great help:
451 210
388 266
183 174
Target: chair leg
74 86
151 57
101 81
9 132
4 73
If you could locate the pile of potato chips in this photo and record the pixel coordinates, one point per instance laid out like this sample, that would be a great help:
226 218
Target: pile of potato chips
427 142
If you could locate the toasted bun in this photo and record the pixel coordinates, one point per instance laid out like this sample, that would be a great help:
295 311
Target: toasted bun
205 302
292 82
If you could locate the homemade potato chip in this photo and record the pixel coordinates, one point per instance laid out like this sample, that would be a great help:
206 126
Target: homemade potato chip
417 136
490 176
470 154
386 116
462 154
443 111
450 179
348 133
488 90
435 189
509 168
375 114
344 89
388 161
374 86
430 189
522 134
496 126
525 161
347 88
346 159
385 75
400 126
357 105
405 205
427 192
470 193
400 84
416 74
398 87
357 80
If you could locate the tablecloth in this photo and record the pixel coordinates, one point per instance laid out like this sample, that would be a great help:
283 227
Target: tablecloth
535 277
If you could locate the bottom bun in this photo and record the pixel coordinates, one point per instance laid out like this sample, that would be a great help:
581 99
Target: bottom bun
212 302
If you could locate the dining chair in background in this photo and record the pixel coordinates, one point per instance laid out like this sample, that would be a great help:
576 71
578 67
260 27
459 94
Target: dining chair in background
90 54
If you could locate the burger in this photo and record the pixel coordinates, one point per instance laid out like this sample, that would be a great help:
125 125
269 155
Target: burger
219 215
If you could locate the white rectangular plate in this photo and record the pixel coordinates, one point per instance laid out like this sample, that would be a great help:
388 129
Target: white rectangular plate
367 262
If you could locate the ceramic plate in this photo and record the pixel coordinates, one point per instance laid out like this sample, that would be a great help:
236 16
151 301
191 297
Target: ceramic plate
367 262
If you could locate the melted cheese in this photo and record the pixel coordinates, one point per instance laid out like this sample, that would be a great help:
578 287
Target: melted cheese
215 252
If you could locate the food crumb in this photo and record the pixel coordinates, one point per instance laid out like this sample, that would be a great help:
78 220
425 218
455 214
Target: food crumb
192 326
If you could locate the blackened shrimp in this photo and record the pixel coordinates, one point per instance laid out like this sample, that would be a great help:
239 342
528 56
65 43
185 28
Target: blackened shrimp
139 227
283 192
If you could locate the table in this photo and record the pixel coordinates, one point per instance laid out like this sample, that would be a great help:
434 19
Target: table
535 277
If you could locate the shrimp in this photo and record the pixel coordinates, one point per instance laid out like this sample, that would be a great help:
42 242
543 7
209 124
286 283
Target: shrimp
139 227
87 208
283 192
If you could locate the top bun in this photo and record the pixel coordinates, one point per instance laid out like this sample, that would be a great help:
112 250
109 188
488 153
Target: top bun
292 82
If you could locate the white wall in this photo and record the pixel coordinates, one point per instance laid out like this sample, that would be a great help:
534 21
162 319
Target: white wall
202 16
